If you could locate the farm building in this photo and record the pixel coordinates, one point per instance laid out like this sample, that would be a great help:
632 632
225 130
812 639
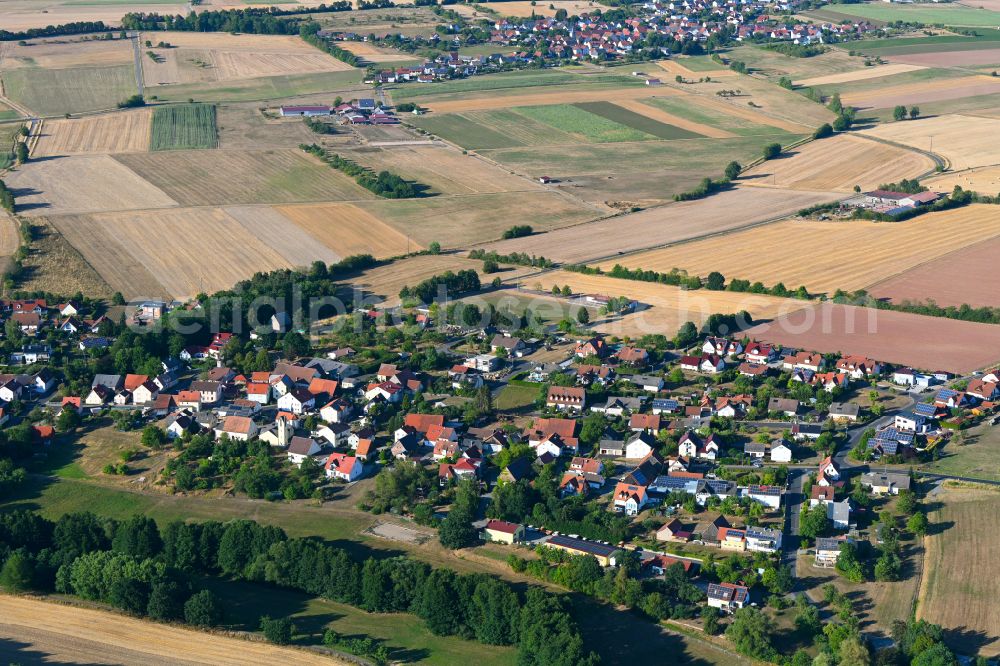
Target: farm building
289 111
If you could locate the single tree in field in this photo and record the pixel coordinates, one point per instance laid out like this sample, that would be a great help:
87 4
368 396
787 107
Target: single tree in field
899 113
914 112
732 170
583 316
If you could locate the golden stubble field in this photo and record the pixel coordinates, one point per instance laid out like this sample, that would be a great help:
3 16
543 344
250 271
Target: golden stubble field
858 74
348 230
669 306
195 57
64 52
71 634
385 282
959 587
922 92
839 163
965 141
826 256
672 223
121 132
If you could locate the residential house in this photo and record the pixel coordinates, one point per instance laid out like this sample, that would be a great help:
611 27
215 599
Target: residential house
755 450
211 392
859 367
910 421
728 596
337 410
465 468
645 422
801 431
603 552
614 448
43 381
592 347
886 483
512 346
759 353
828 550
566 398
781 452
769 496
731 538
516 471
821 495
297 401
344 467
650 383
734 406
300 448
828 474
501 531
665 405
630 499
177 425
634 356
983 390
691 445
839 513
640 445
804 361
675 531
786 406
241 428
722 346
763 540
335 434
844 411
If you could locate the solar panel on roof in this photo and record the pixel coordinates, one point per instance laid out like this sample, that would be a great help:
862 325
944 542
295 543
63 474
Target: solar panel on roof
925 409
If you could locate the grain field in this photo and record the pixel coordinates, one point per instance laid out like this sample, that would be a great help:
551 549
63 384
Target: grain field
858 75
958 138
121 132
290 240
348 230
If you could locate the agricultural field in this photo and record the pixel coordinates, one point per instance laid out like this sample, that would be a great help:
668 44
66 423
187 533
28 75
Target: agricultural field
939 43
774 64
188 126
693 67
377 54
962 58
121 132
951 15
348 230
74 634
874 72
669 306
224 253
959 584
839 163
277 230
957 138
10 238
985 180
245 127
792 256
82 184
458 221
920 92
8 134
385 282
975 453
925 282
285 87
716 119
582 124
27 14
51 92
895 337
519 96
444 169
196 57
53 264
673 223
64 52
211 178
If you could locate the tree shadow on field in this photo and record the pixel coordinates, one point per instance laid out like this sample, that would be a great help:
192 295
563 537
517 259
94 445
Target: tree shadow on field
968 641
933 529
18 652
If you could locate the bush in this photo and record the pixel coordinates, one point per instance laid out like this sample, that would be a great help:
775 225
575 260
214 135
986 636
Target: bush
772 150
823 131
278 630
518 231
203 609
132 102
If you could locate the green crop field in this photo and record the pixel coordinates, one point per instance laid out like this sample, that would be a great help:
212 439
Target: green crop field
467 133
984 39
8 114
52 92
509 81
920 13
590 126
621 115
188 126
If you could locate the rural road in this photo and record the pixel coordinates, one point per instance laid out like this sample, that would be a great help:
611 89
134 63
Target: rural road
137 57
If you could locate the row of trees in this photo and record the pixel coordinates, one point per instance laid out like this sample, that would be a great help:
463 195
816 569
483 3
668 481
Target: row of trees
6 198
256 21
384 183
449 282
135 566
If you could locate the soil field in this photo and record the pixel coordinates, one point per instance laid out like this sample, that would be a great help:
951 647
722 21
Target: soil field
893 337
667 224
51 92
63 52
444 169
32 629
646 109
286 88
225 251
669 306
930 280
207 178
964 58
923 91
793 256
296 245
959 583
957 138
985 180
638 121
678 68
200 57
386 281
82 184
372 53
348 230
121 132
458 221
864 74
839 163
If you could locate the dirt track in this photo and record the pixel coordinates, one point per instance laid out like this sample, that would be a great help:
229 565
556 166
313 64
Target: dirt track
32 631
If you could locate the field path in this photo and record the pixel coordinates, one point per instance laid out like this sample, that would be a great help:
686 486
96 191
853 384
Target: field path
32 629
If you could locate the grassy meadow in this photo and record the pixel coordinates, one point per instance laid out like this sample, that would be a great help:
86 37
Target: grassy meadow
52 92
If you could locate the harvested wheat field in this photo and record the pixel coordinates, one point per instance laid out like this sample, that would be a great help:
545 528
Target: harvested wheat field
295 244
71 634
968 275
838 163
217 177
792 251
669 306
671 223
27 15
225 252
195 57
860 74
444 169
10 238
372 53
985 180
893 337
545 98
922 92
82 184
348 230
122 132
63 52
959 585
385 282
958 138
970 58
677 68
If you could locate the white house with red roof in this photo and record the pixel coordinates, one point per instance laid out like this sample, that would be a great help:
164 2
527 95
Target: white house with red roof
344 467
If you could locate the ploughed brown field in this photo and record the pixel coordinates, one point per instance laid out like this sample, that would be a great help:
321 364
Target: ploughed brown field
969 58
675 222
923 92
31 629
969 275
931 343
